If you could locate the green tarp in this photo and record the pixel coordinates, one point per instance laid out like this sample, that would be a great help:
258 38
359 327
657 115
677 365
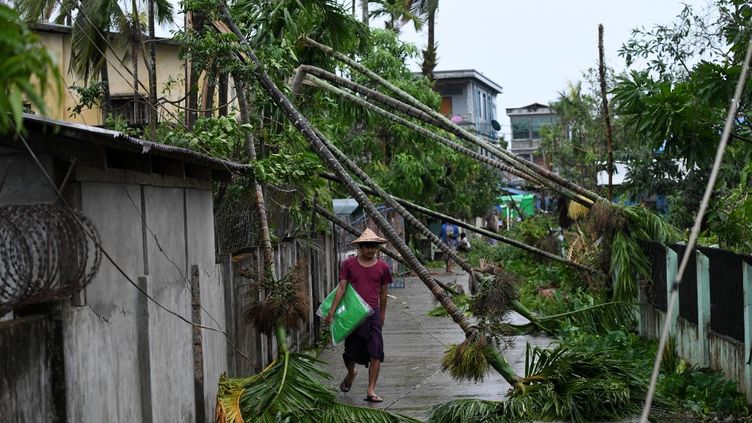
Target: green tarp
525 203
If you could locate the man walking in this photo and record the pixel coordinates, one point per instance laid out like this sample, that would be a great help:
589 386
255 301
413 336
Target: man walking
369 276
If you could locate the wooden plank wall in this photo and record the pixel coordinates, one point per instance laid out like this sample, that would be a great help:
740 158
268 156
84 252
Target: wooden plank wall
253 350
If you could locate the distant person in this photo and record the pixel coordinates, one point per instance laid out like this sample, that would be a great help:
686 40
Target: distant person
492 223
463 244
450 235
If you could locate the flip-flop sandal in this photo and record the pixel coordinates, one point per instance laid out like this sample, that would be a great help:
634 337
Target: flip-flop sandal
344 386
373 398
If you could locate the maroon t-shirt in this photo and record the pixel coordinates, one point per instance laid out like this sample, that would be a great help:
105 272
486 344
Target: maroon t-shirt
367 281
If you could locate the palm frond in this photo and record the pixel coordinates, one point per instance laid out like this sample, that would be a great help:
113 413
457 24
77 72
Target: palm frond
290 389
648 225
599 318
580 386
462 301
561 384
466 411
467 361
627 262
163 11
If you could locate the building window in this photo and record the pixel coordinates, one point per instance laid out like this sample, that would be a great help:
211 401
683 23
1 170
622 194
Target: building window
134 111
520 129
446 106
483 108
537 123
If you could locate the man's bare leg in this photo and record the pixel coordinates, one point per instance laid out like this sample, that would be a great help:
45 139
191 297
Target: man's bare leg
373 376
349 378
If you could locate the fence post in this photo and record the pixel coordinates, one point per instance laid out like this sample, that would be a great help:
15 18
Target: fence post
643 306
703 306
198 348
143 349
747 284
672 269
224 262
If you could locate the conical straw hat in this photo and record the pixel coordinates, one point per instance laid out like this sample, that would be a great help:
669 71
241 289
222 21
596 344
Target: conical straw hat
369 236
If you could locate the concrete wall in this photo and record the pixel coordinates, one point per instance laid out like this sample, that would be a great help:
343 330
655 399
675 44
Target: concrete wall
696 342
134 360
123 357
101 337
31 370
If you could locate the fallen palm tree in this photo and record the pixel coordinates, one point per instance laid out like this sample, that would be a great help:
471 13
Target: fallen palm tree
431 116
493 235
544 382
629 223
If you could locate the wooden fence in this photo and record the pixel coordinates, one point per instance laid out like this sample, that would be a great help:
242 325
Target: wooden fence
253 349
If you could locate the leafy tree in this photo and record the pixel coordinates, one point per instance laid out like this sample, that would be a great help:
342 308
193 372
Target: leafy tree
23 60
676 103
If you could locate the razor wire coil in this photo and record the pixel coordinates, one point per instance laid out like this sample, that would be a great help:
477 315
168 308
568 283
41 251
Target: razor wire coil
47 253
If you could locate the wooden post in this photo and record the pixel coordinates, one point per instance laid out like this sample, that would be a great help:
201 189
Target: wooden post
703 306
672 268
747 284
198 349
143 349
642 325
224 263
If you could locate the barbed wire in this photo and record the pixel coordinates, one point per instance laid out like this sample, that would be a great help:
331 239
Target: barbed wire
46 252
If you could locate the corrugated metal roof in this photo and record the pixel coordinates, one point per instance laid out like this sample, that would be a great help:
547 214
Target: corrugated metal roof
118 140
344 206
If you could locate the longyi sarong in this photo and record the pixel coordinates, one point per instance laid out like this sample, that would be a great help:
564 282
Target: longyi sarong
365 342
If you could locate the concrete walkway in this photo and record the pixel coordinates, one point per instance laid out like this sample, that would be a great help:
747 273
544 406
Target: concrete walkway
411 380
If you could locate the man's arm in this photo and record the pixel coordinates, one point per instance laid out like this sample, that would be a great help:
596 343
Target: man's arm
337 298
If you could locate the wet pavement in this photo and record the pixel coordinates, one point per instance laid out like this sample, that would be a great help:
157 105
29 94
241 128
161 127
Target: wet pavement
411 380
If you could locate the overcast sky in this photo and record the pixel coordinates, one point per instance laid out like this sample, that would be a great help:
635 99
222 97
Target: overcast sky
533 47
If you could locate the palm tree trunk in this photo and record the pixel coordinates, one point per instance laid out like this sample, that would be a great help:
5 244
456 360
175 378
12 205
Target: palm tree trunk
222 95
445 123
153 116
104 78
136 99
349 228
304 127
268 250
606 116
388 199
429 54
211 85
475 229
135 28
497 164
364 11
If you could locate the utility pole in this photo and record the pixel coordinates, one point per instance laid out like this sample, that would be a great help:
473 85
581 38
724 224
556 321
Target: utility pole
607 118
